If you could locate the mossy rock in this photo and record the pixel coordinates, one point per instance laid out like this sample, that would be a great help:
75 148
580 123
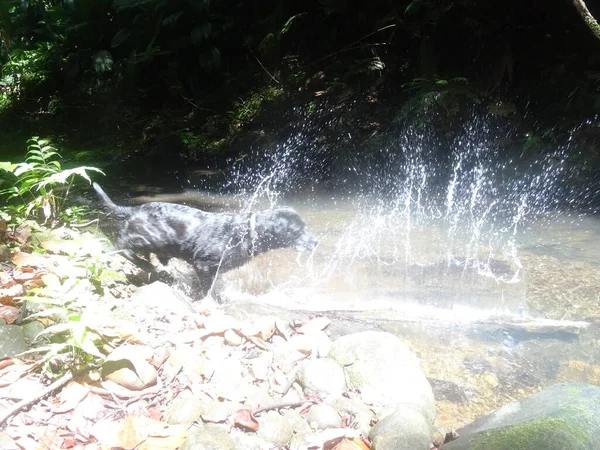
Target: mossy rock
563 416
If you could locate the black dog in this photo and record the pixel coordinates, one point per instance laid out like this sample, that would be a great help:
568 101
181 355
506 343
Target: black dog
212 242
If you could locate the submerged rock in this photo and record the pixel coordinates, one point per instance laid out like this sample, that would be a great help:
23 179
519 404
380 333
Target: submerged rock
563 416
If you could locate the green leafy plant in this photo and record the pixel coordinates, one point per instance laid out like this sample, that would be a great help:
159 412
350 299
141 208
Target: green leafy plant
71 339
40 184
444 95
76 337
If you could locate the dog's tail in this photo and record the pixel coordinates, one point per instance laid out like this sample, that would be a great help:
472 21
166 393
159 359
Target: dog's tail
120 210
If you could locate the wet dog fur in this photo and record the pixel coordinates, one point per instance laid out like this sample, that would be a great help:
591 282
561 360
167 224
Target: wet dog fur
211 242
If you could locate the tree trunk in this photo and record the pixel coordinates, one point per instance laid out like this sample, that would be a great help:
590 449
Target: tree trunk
587 17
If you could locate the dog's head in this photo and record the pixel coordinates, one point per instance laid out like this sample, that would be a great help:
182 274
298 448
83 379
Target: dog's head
283 228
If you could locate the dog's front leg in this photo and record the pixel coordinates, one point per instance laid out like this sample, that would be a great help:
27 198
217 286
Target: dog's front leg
206 279
149 268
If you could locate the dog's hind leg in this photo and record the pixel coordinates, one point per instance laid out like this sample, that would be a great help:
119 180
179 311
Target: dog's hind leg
140 262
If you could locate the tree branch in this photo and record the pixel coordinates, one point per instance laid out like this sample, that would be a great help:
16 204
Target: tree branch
587 17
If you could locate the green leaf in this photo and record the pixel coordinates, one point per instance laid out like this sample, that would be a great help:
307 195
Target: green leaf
200 33
172 19
288 24
7 166
414 6
121 36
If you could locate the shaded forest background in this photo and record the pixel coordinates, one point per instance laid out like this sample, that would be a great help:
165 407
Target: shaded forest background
201 82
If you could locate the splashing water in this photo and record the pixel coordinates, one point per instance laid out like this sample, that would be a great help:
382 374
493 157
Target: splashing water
430 224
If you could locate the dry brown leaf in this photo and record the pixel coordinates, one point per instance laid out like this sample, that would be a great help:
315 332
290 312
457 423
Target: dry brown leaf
21 234
115 328
8 294
258 342
71 395
263 328
6 362
314 325
6 280
281 329
244 419
51 280
58 264
70 247
131 433
9 313
141 433
219 323
347 443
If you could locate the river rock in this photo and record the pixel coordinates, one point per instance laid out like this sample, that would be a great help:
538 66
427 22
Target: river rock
165 298
384 370
275 428
186 408
255 396
321 377
562 416
404 429
32 329
245 441
361 413
323 416
297 421
12 341
208 437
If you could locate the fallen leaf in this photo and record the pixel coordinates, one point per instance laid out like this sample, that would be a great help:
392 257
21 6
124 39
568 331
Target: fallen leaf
141 433
258 342
71 395
9 293
58 246
331 438
9 313
263 328
21 234
314 325
51 280
282 329
6 362
345 443
244 419
123 392
219 323
131 433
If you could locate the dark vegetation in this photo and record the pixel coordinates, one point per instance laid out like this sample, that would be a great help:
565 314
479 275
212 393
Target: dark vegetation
180 82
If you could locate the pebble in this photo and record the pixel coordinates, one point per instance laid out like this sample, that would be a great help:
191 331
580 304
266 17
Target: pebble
275 428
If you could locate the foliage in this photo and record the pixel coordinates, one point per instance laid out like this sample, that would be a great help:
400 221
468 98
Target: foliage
244 110
40 184
438 95
75 335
